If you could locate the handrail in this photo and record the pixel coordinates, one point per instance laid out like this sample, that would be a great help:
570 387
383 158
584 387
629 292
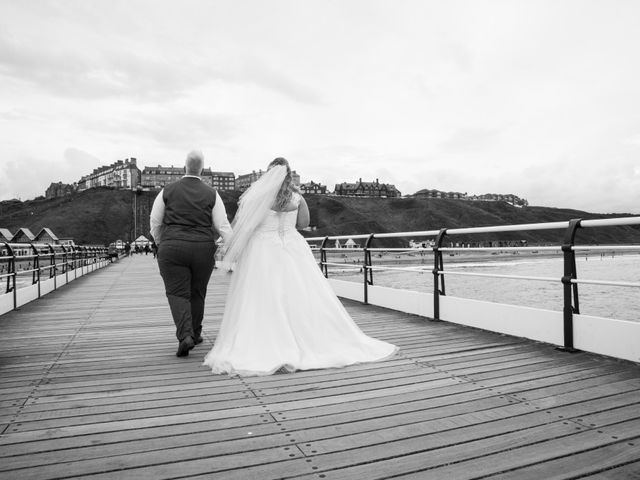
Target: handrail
498 249
605 222
57 257
569 280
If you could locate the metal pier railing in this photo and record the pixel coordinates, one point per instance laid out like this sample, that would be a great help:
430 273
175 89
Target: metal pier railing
40 263
569 281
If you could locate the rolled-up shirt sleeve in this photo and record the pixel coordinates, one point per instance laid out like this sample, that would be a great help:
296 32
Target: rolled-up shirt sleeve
156 217
220 221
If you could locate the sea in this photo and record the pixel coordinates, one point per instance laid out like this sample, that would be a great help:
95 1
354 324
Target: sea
620 302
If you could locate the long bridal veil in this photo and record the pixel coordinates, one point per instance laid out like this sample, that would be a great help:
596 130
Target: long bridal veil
253 207
280 310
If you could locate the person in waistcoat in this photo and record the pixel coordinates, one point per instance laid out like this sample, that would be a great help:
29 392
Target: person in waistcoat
184 220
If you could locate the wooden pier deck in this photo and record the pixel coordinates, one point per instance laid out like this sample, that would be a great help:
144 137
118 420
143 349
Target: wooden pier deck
90 387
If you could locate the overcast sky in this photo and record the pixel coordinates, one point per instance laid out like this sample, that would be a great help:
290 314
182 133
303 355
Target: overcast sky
536 98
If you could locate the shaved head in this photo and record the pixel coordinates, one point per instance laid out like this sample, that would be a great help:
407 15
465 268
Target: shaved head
194 163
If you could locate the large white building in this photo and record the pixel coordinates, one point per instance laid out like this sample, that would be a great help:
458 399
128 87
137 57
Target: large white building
123 174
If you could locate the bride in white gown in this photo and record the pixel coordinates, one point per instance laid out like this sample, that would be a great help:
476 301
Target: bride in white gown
281 312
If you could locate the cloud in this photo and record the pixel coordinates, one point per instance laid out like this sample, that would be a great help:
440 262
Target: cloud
95 69
584 184
92 74
469 139
27 177
165 128
633 140
269 77
533 99
76 160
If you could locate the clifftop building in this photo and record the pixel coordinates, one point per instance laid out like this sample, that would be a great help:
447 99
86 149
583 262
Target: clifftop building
366 189
122 174
313 187
244 181
487 197
223 180
59 189
430 193
158 177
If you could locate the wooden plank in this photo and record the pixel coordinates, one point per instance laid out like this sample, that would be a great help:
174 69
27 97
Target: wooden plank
471 452
73 438
629 471
576 465
229 416
90 460
167 464
581 442
463 428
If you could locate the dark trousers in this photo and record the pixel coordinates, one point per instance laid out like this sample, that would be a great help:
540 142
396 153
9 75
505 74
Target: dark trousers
186 268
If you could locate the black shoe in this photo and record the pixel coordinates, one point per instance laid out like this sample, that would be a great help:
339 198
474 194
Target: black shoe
185 345
198 339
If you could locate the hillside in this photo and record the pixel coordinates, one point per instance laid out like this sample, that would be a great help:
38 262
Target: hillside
102 215
340 215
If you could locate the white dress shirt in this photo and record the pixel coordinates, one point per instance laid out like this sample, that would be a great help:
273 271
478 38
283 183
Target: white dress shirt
218 217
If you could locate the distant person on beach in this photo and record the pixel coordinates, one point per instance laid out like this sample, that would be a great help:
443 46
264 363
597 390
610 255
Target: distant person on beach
281 314
127 249
184 220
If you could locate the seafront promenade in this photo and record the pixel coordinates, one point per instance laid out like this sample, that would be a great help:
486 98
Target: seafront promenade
90 387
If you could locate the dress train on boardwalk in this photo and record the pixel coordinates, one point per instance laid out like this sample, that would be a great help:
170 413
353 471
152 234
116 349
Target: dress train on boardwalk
282 312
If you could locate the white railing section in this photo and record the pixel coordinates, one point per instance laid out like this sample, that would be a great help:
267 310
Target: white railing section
43 268
568 329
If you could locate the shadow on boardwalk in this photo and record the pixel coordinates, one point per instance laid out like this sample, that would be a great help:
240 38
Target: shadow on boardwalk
90 387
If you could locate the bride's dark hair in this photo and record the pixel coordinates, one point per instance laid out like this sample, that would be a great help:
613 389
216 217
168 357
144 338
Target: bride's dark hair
286 190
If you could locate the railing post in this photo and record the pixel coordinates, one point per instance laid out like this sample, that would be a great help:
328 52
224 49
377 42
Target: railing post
570 290
9 256
36 268
11 270
65 265
52 260
84 260
368 272
77 261
323 258
52 266
438 279
74 262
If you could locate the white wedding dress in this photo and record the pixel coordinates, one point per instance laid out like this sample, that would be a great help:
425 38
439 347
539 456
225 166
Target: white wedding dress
282 312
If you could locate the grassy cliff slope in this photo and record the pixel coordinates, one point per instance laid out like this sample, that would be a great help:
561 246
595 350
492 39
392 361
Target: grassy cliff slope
102 215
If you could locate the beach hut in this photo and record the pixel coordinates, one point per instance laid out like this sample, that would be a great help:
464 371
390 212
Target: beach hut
23 235
46 236
141 241
5 235
350 243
